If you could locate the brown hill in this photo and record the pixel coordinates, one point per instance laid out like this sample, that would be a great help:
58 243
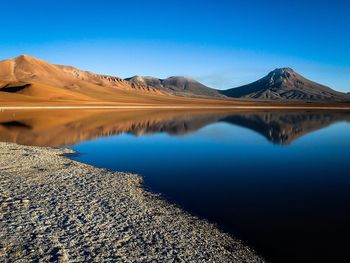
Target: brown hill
28 81
29 76
285 84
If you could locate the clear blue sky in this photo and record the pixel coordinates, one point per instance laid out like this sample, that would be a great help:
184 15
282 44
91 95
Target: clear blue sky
221 43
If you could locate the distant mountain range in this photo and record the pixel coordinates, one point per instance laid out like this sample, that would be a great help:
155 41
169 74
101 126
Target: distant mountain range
178 86
31 80
282 84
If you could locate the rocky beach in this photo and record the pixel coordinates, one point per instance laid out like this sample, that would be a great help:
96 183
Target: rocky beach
54 209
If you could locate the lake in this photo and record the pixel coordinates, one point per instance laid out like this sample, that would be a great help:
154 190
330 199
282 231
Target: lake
279 181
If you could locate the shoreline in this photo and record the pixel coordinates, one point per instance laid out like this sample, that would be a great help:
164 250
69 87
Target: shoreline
240 107
55 208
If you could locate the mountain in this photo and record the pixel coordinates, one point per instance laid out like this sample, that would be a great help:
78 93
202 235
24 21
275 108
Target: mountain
25 69
27 76
178 86
285 84
26 80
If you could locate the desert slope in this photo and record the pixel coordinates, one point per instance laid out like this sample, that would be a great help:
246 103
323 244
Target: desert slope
29 69
26 79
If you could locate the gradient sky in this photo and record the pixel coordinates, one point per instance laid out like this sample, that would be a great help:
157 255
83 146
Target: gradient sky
221 43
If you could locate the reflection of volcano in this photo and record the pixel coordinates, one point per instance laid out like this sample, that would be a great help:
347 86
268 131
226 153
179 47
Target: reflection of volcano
60 128
284 128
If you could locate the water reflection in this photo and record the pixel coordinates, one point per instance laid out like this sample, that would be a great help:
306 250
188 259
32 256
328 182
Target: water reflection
289 203
62 128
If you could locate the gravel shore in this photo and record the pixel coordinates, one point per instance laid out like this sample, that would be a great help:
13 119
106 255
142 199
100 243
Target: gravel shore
59 210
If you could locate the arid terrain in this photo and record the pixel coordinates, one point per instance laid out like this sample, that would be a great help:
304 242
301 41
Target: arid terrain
57 209
28 81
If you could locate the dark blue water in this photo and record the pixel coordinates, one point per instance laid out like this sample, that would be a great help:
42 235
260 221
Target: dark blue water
281 186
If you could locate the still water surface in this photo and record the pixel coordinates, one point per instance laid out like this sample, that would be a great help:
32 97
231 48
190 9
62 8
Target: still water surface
278 181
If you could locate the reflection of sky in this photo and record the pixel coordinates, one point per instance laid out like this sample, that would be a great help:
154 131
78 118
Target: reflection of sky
266 194
336 134
218 142
227 133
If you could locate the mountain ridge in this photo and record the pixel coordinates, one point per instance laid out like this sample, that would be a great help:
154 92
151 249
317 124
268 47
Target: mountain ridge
29 78
178 86
27 68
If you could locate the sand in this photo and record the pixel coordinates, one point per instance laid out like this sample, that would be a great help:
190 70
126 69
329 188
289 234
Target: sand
56 209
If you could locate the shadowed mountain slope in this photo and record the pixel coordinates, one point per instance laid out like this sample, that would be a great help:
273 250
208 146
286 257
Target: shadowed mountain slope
286 84
179 86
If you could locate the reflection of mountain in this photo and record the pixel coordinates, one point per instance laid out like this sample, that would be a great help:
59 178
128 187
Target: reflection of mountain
284 128
59 128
